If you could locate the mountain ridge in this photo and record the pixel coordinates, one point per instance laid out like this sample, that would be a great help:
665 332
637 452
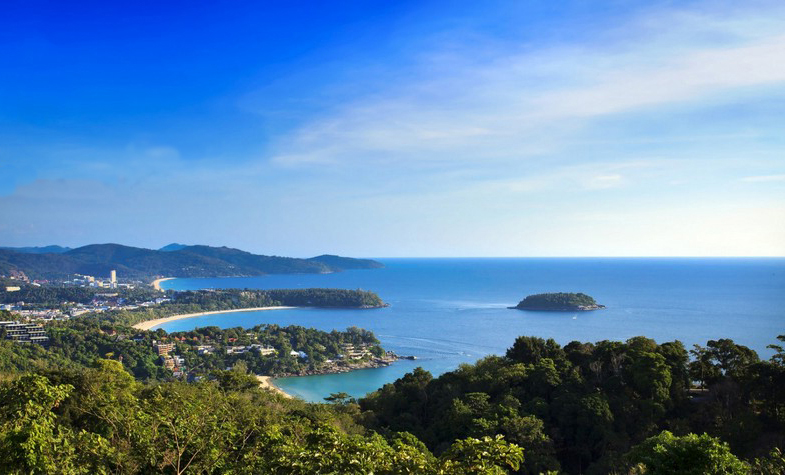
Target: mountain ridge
188 261
51 249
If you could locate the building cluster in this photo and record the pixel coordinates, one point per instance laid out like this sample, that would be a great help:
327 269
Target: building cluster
101 303
352 352
91 281
263 350
169 360
205 349
104 302
18 275
24 332
41 314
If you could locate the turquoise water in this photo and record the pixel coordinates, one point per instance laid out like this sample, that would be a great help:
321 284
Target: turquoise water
452 311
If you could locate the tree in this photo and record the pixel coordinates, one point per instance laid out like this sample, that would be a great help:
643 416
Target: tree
32 441
779 355
338 398
771 464
666 454
731 358
237 378
489 455
531 349
701 368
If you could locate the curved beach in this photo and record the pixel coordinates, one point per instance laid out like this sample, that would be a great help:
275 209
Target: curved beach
148 324
157 282
267 383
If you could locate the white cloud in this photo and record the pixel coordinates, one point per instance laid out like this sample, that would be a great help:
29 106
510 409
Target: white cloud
601 182
764 178
526 105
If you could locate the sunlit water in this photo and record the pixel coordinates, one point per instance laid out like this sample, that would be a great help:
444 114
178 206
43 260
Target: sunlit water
452 311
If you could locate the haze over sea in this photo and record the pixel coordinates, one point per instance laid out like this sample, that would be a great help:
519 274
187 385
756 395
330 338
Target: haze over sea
452 311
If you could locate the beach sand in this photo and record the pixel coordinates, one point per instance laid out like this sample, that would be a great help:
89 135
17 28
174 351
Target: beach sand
146 325
267 383
157 282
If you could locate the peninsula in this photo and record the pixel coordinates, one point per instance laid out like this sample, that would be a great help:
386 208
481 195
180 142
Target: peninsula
559 302
190 303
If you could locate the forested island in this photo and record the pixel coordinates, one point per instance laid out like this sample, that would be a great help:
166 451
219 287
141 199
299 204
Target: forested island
169 261
559 302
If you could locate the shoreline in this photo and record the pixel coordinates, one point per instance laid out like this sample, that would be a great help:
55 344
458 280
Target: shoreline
157 282
579 308
148 324
373 363
266 382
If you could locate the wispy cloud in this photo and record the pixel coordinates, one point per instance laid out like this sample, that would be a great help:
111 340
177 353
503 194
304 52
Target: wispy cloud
764 178
523 105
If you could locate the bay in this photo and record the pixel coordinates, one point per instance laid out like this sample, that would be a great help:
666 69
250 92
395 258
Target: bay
452 311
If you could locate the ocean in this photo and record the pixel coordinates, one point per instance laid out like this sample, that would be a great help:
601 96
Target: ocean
447 312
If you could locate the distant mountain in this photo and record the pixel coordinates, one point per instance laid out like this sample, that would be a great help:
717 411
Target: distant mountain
173 247
189 261
39 250
346 263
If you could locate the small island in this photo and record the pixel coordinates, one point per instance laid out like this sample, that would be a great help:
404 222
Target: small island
559 302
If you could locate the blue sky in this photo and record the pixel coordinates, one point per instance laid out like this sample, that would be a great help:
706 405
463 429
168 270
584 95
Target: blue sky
532 128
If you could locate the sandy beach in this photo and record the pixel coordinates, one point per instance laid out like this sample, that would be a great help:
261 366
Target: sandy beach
146 325
157 282
267 383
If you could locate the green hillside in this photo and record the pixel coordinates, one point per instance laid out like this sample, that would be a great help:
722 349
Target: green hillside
190 261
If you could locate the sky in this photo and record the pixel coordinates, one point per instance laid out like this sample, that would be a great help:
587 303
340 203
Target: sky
393 129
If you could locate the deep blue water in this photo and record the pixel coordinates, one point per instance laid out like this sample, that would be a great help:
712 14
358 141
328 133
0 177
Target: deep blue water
452 311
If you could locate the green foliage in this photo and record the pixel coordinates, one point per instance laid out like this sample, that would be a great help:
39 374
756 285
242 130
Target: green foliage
530 350
576 409
236 379
80 342
488 455
102 421
666 454
49 296
556 301
325 298
338 398
581 407
771 464
31 439
720 358
233 299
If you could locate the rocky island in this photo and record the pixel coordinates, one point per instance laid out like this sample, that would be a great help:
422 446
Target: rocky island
559 302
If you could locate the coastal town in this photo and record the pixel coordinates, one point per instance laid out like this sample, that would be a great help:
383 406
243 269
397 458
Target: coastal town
12 297
120 316
25 324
